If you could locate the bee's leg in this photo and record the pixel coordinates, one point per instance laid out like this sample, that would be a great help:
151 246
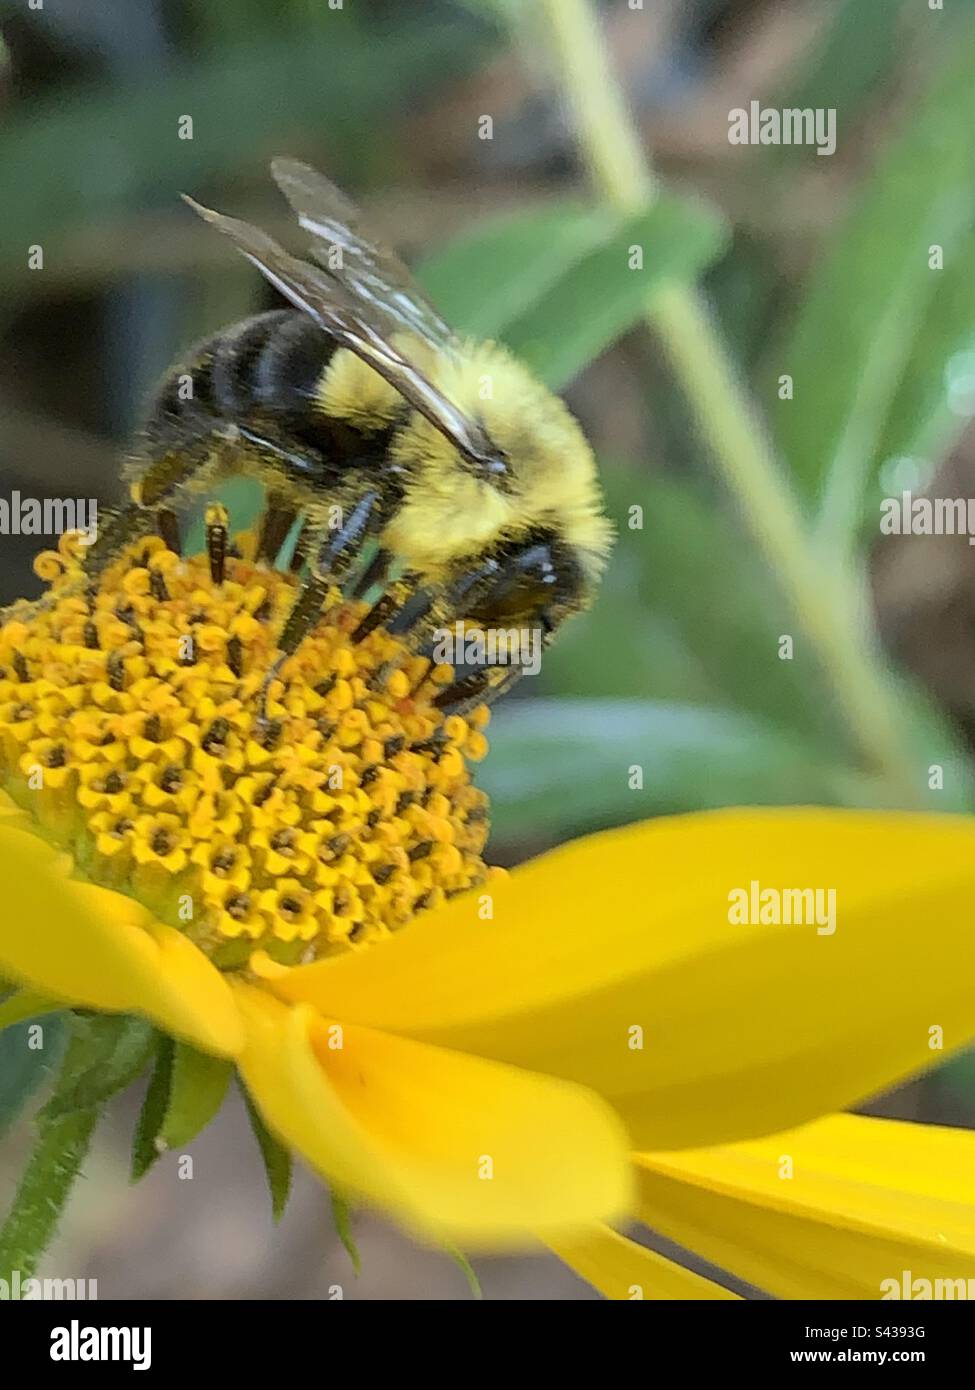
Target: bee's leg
526 591
299 556
150 495
217 524
167 524
478 688
332 559
276 522
376 572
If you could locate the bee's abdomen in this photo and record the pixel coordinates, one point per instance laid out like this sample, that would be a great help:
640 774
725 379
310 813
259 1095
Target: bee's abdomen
236 355
287 372
263 374
265 366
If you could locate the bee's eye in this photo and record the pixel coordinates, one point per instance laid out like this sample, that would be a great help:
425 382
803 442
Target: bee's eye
527 583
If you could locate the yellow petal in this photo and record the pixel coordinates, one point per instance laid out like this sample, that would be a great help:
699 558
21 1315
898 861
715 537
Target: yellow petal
84 945
456 1149
746 1029
866 1201
621 1269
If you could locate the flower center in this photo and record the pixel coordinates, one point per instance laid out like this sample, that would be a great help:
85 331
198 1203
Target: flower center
131 728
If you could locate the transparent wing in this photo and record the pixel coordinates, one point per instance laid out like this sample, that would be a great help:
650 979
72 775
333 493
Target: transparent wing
359 325
374 275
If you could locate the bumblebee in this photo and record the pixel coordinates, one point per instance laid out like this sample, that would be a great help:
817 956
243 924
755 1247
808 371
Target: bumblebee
376 428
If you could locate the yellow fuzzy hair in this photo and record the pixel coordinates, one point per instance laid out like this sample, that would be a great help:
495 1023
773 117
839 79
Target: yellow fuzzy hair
447 513
350 390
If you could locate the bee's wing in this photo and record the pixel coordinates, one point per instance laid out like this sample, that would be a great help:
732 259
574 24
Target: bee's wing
373 274
357 324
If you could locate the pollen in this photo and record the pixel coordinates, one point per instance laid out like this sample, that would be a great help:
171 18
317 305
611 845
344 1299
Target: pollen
315 817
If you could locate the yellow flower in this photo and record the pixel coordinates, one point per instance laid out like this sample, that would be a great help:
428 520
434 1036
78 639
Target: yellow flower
541 1056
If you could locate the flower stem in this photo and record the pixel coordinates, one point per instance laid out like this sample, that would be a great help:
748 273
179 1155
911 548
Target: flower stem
826 607
43 1192
59 1150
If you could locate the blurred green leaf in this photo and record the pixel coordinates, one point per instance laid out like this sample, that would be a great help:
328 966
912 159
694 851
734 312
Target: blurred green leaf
859 46
247 102
851 343
557 285
601 297
935 396
688 611
487 276
562 765
24 1069
688 615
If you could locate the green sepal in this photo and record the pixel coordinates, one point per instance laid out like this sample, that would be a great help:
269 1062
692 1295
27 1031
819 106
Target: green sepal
198 1086
277 1161
342 1216
154 1108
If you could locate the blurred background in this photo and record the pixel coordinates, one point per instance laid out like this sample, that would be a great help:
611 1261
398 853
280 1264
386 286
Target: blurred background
815 266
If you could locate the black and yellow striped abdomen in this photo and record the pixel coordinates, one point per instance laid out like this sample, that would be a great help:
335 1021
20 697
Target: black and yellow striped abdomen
265 372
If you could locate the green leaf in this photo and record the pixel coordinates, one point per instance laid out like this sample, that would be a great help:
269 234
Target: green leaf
277 1161
934 399
342 1216
851 343
563 765
64 1131
602 296
859 47
145 1150
197 1088
108 1052
688 612
24 1068
699 569
556 284
487 276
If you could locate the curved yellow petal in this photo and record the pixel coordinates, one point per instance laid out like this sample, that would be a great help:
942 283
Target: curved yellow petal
455 1148
623 1270
832 1210
87 946
612 962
